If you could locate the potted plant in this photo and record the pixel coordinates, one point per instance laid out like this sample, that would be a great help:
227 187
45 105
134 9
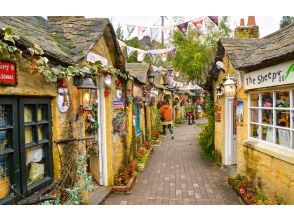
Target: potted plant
4 184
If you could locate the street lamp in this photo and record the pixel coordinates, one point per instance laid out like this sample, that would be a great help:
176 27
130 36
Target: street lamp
230 87
87 91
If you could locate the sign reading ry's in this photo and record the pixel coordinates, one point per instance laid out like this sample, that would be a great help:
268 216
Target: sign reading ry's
280 74
7 73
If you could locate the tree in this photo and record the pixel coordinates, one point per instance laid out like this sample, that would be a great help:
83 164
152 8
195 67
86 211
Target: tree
286 20
119 33
195 51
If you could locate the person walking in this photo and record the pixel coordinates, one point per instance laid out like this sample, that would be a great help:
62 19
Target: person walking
190 111
166 118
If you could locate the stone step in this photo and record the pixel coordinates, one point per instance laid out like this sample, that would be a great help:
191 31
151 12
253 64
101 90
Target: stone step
99 195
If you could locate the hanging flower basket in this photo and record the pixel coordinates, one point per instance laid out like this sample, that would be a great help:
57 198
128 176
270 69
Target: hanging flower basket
62 83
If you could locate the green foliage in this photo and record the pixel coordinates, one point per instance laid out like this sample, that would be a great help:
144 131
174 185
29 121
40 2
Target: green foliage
206 137
194 52
56 201
119 33
9 52
125 173
286 20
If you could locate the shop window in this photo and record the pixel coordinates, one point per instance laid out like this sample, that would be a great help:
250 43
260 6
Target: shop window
271 117
25 147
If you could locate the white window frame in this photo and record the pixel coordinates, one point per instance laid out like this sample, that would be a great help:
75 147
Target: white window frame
273 126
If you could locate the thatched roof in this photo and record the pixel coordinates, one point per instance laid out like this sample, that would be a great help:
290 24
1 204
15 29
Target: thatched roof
139 71
67 39
252 54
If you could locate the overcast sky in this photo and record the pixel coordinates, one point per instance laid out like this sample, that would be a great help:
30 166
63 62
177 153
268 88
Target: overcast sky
267 24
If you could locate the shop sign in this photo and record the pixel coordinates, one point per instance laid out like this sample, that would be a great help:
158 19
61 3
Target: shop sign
7 73
240 112
92 57
276 75
118 104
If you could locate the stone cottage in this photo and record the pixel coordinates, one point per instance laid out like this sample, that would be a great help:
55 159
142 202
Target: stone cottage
254 129
62 128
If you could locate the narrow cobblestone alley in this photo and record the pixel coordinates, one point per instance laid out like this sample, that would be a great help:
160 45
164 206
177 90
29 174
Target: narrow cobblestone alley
177 175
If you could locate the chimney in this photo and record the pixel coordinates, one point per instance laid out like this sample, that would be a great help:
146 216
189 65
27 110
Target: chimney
251 21
242 22
249 31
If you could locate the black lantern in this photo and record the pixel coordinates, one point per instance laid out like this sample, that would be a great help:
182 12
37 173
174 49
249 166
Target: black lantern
87 90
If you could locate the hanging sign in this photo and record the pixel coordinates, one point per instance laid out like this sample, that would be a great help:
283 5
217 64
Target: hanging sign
63 100
276 75
118 104
8 73
240 112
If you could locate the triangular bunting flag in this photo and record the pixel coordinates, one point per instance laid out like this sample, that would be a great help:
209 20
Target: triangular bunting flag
141 31
130 51
214 19
183 27
130 28
153 32
197 22
163 56
167 30
141 55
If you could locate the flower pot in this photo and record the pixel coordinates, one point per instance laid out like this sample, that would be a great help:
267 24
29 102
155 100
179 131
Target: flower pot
4 188
86 197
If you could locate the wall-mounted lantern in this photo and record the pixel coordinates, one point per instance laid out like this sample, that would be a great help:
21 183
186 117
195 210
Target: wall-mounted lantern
230 87
87 90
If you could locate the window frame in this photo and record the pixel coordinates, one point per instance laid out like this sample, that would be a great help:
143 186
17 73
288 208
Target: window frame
274 110
17 169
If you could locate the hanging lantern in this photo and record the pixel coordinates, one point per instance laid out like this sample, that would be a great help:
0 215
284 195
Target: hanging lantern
230 88
87 90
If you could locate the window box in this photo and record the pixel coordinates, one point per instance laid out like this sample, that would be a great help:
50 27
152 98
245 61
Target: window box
127 189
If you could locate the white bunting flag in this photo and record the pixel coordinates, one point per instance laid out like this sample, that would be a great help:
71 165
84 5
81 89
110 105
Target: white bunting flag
163 56
153 32
141 31
130 50
130 28
141 55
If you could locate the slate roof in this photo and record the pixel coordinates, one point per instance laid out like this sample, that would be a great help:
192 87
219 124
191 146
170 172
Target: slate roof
67 39
34 30
139 71
252 54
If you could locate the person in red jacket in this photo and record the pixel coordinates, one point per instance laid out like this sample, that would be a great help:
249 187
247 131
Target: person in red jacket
166 118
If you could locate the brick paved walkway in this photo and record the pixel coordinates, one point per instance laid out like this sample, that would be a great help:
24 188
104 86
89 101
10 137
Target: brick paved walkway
177 175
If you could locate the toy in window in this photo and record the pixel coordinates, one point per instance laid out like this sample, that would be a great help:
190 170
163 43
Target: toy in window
283 100
283 119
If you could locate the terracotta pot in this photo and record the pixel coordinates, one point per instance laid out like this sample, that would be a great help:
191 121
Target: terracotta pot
4 188
86 197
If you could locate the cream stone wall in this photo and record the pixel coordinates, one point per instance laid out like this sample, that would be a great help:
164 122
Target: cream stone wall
269 171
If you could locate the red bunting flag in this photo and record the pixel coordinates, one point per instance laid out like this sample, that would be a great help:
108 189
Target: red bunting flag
214 19
183 27
197 22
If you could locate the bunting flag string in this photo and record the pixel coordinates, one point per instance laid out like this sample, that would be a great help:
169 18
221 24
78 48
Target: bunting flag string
153 31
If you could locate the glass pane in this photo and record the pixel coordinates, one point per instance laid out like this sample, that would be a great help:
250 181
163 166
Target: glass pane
4 139
28 113
267 133
267 116
4 176
41 112
283 99
267 99
283 137
35 164
4 115
283 118
254 115
254 100
254 131
41 132
28 135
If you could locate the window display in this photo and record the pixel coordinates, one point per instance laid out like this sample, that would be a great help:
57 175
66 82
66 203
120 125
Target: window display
4 177
4 115
282 99
276 110
28 113
4 140
35 164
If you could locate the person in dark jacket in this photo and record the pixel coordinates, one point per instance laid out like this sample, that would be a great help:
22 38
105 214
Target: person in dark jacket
167 118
